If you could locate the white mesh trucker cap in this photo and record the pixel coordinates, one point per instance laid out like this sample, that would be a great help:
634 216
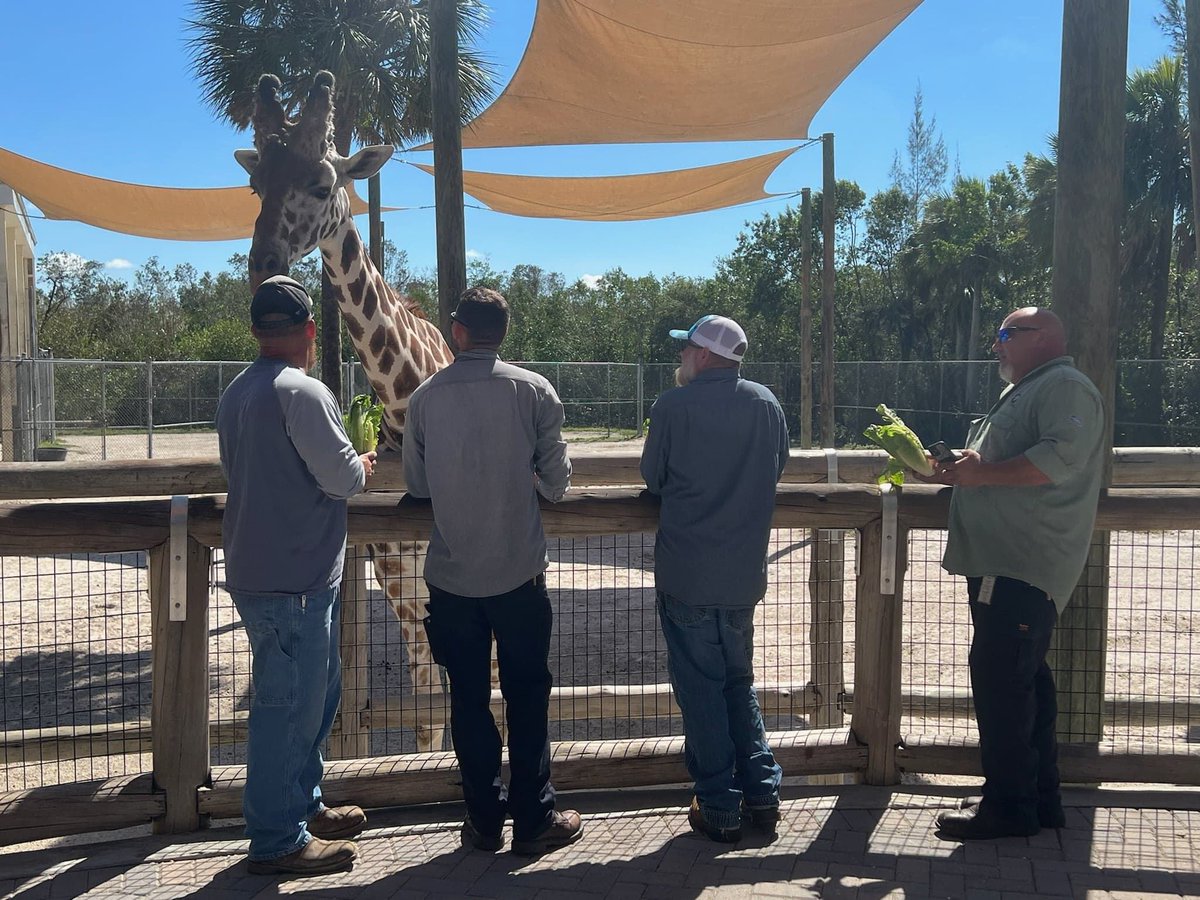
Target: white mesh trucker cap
720 334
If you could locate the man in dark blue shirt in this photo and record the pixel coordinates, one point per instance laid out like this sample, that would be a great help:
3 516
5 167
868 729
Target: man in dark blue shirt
714 453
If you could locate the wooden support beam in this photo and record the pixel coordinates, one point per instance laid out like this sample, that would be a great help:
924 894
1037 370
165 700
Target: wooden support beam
179 687
447 158
875 720
1132 467
1084 763
576 765
78 808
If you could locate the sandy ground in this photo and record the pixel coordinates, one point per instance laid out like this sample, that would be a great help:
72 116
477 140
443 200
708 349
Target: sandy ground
75 638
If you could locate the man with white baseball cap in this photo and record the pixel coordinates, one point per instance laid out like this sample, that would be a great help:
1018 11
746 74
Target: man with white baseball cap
715 450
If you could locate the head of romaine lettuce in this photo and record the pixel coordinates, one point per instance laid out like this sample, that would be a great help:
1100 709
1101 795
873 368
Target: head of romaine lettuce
904 448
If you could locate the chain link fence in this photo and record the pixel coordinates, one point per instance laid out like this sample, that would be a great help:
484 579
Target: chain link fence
97 409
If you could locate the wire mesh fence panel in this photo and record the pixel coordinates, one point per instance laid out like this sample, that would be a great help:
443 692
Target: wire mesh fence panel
936 640
75 648
595 396
1152 651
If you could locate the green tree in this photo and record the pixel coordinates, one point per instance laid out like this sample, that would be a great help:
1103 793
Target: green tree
921 172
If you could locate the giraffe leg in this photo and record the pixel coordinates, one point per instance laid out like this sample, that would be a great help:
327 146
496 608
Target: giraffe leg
398 568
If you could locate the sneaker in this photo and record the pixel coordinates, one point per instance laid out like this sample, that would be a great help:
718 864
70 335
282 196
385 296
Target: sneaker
763 818
712 832
565 827
337 822
473 837
317 857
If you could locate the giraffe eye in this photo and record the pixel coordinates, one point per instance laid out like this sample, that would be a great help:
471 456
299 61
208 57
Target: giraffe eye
322 193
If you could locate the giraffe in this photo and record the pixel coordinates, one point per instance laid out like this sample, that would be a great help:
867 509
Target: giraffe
300 179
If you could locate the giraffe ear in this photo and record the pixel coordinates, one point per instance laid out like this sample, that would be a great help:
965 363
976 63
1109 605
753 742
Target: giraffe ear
247 159
367 161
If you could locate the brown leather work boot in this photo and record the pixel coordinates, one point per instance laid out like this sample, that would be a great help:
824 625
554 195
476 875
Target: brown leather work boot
337 822
565 827
317 857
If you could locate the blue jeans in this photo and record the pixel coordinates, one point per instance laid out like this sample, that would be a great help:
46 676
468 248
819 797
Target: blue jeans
460 633
297 678
710 656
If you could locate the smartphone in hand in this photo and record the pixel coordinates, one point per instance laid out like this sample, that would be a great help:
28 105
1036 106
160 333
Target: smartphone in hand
940 451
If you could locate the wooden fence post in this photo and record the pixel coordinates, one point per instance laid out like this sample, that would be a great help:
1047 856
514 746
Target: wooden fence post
180 688
350 739
878 625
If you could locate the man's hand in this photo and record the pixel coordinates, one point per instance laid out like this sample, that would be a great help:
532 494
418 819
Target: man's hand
368 462
966 471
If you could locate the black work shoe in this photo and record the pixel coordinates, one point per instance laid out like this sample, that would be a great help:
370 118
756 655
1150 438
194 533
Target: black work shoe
473 837
337 822
712 832
1050 815
978 824
317 857
762 818
565 827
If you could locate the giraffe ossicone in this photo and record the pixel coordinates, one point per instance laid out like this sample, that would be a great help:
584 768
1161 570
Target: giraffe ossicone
301 179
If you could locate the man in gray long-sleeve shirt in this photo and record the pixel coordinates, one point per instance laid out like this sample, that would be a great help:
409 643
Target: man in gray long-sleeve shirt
482 439
714 453
290 469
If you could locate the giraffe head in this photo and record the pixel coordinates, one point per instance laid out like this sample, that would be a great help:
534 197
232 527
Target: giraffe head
299 177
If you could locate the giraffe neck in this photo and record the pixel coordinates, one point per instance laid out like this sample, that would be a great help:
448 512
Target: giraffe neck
398 346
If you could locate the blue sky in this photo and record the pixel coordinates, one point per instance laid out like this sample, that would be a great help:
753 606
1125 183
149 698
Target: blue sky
106 89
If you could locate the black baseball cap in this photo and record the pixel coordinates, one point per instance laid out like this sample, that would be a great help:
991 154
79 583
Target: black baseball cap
280 302
488 313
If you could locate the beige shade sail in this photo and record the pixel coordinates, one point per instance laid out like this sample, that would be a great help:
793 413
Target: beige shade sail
626 198
636 71
175 214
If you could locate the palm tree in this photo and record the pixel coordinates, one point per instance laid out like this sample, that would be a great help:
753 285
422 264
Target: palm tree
377 50
1158 196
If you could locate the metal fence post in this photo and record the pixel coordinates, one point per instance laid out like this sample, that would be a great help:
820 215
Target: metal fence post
103 410
641 399
150 408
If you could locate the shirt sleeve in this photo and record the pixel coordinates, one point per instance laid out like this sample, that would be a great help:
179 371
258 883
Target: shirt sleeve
550 461
784 444
654 453
412 449
1070 424
314 425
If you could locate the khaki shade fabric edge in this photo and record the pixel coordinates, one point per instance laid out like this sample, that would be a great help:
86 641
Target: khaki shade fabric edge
634 71
176 214
626 198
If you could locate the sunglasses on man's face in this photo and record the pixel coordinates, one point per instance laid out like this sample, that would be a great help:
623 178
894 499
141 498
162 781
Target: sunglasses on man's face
1004 335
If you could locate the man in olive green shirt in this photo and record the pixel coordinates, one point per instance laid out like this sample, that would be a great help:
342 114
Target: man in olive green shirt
1021 520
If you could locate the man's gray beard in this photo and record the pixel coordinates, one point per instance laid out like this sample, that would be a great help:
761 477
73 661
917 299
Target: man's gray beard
679 379
1006 374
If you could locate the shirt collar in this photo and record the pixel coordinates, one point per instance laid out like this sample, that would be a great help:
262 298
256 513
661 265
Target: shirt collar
479 353
717 375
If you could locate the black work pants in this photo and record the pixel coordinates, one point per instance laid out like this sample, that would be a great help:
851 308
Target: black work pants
460 636
1015 704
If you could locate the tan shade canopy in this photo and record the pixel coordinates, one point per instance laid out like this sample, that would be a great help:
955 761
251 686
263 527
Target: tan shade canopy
625 198
176 214
636 71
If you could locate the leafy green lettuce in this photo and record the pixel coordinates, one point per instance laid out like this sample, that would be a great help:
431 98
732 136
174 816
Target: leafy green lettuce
905 450
363 422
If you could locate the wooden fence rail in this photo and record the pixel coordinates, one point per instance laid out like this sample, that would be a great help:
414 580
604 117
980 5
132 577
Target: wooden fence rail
185 790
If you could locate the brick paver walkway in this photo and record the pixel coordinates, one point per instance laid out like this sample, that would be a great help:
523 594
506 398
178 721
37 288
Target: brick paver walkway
844 842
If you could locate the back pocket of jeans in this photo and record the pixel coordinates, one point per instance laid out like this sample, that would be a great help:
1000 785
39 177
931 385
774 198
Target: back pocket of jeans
679 612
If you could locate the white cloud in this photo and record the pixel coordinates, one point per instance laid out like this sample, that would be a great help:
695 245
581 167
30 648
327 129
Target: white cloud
591 281
474 254
118 263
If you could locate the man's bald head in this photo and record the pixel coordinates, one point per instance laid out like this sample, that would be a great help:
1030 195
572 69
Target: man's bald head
1030 337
